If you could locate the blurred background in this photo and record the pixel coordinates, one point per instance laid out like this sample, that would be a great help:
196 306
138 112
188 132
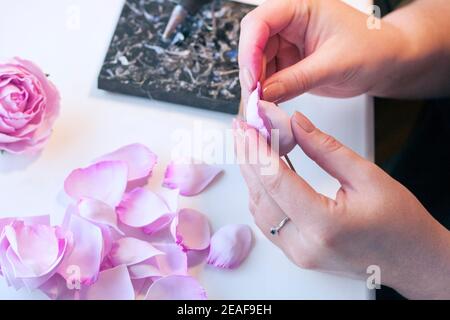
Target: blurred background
411 144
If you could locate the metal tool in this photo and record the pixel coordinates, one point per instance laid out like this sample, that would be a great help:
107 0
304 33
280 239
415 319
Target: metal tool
179 14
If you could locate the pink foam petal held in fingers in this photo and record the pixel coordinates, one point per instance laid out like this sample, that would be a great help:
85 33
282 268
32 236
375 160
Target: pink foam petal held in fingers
139 159
281 121
190 229
176 288
98 212
105 181
230 246
141 207
253 114
131 251
112 284
265 117
189 177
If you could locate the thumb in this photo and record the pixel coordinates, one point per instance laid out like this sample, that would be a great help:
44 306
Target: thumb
339 161
307 74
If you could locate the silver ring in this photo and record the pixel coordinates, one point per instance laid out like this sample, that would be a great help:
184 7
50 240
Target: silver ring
275 230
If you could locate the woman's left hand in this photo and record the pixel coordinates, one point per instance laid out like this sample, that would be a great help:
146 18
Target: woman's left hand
373 220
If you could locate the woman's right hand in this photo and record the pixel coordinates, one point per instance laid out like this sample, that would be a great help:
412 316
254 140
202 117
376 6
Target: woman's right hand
322 46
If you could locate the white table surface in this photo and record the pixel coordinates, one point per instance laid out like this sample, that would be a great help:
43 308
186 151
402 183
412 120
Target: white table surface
93 122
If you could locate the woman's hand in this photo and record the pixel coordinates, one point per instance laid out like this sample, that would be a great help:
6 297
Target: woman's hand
322 46
327 48
373 220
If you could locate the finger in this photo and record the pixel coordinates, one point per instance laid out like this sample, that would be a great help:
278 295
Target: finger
267 214
311 72
288 54
265 211
256 29
272 47
294 196
339 161
271 68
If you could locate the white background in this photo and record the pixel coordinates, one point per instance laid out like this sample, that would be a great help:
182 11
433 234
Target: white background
93 122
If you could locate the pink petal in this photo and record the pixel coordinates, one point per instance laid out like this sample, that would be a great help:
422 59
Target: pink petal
174 261
31 253
141 207
161 223
7 269
170 197
281 121
190 177
105 181
230 245
176 288
130 251
144 270
98 212
253 115
86 250
112 284
141 287
139 158
108 241
56 288
190 230
265 116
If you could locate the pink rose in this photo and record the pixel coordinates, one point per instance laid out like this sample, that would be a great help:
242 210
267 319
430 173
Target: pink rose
29 105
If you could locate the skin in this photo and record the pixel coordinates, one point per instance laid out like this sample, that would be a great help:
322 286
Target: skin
373 220
306 45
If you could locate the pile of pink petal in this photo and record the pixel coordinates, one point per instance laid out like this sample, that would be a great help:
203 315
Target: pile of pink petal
119 239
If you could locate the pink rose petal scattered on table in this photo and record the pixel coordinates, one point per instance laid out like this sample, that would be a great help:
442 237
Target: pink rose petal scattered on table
85 252
98 212
174 261
105 181
144 270
89 247
30 253
189 177
131 251
56 288
112 284
171 197
108 240
161 223
230 246
139 159
141 207
176 288
190 229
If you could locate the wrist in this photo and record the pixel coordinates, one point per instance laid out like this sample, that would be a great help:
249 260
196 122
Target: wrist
424 265
421 67
395 54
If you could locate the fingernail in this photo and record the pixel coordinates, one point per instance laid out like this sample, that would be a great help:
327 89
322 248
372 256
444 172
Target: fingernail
303 122
247 78
274 91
